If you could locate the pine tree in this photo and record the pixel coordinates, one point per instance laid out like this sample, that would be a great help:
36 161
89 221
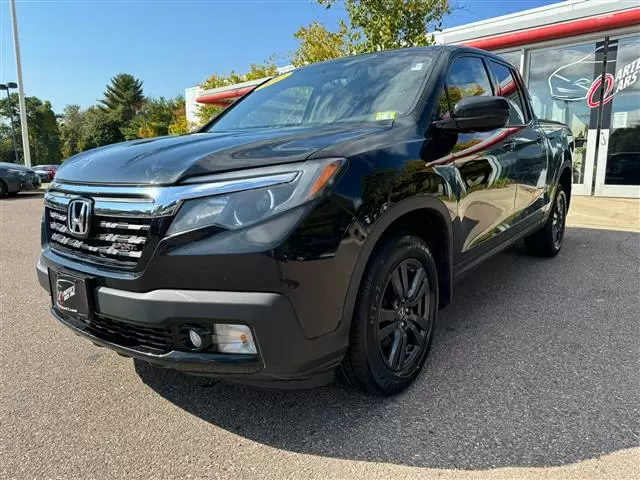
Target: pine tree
124 96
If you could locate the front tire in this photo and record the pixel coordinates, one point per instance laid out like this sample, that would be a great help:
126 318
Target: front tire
547 241
394 318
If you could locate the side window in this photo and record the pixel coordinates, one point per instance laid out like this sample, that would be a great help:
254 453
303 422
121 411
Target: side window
442 111
285 108
467 78
507 86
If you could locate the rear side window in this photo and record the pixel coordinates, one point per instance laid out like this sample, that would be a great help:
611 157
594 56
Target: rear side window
507 87
467 78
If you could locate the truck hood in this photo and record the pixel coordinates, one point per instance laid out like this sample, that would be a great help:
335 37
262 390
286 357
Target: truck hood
168 160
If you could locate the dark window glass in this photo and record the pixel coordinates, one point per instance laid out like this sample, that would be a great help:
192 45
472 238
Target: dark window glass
467 78
287 107
443 105
507 86
623 156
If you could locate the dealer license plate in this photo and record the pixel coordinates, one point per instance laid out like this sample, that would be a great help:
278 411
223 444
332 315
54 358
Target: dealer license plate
69 294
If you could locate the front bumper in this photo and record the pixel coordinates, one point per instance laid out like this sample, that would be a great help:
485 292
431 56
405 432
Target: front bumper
286 357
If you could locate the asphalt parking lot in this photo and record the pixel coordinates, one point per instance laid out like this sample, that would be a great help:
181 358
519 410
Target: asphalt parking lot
534 373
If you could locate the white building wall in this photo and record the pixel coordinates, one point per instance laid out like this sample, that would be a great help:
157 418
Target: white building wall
191 106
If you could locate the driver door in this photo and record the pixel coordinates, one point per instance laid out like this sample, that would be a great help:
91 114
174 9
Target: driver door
485 163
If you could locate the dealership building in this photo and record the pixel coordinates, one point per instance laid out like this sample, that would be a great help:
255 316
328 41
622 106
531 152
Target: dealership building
581 62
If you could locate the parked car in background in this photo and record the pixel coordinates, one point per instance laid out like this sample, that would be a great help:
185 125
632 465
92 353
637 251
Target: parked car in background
46 172
317 225
14 178
45 175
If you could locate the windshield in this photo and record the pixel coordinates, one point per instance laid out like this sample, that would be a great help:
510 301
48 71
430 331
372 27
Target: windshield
373 87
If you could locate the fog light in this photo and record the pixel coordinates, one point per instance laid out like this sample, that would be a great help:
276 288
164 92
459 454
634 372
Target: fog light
195 337
234 338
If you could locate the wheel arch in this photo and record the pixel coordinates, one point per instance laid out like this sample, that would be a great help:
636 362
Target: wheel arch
566 176
395 217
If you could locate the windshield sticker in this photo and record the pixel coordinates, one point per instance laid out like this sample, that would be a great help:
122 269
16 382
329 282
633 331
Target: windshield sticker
274 80
385 115
416 67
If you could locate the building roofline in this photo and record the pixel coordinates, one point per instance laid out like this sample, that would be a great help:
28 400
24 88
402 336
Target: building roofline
565 11
501 18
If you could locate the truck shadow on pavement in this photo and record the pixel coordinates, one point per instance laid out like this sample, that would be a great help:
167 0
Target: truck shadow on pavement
533 364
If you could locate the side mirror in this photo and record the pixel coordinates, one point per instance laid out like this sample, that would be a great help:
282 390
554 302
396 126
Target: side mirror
477 114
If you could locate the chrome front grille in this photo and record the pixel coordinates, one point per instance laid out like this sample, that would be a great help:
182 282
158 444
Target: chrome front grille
110 238
121 222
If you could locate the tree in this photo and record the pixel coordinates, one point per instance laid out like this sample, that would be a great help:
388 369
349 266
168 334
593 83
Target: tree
71 130
100 127
373 25
318 44
256 72
179 124
153 119
44 134
124 97
7 153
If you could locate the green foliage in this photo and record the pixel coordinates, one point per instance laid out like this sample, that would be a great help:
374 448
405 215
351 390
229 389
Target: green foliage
152 120
6 145
318 44
71 130
256 72
100 127
124 97
372 25
385 25
44 134
179 124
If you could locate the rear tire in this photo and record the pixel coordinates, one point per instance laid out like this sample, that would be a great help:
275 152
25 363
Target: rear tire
547 241
3 189
394 318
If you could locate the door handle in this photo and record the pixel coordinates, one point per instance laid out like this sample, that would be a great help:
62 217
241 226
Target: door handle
509 144
540 139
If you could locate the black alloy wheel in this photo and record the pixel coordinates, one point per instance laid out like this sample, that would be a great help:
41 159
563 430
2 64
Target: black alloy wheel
558 220
403 326
394 318
547 241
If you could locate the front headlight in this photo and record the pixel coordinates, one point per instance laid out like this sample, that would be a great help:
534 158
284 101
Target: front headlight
257 195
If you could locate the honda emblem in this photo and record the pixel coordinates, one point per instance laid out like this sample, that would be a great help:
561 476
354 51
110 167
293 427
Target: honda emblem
79 217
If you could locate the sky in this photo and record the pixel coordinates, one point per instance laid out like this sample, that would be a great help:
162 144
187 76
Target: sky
71 48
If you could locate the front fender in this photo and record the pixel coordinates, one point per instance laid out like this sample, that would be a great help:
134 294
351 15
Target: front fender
377 231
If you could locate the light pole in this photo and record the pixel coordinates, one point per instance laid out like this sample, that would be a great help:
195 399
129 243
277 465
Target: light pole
26 152
6 88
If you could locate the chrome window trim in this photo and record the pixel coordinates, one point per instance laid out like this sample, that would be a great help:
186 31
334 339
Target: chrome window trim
159 201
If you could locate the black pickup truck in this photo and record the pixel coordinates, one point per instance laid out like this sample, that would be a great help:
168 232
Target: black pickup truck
316 226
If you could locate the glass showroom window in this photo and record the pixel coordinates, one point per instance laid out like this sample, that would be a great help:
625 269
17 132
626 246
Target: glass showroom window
559 81
513 57
623 154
